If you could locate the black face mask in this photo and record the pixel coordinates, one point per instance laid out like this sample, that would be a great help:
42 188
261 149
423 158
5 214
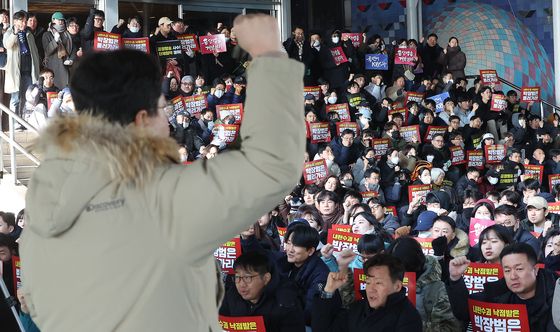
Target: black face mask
395 135
371 161
511 229
467 213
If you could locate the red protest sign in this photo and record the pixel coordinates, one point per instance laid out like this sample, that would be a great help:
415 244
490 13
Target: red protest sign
488 76
342 126
227 253
212 44
380 146
533 172
477 274
343 240
106 41
457 155
433 130
342 228
178 104
188 42
530 94
281 233
498 103
315 170
426 244
414 96
51 96
420 190
401 110
230 109
476 227
16 270
411 134
359 283
409 282
338 55
314 90
226 132
391 210
355 37
341 109
475 158
494 153
405 56
553 180
486 316
554 207
366 195
320 132
139 44
242 323
195 104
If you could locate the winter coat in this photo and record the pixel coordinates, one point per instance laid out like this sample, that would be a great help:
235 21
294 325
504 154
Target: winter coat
105 192
463 184
53 61
88 33
459 246
344 155
432 301
398 315
11 44
556 305
453 61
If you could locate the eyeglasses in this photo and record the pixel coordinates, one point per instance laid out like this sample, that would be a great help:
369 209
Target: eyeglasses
437 140
99 19
246 279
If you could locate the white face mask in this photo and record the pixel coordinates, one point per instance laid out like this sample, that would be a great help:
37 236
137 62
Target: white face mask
134 29
219 93
316 43
430 158
363 120
331 100
493 180
395 160
335 40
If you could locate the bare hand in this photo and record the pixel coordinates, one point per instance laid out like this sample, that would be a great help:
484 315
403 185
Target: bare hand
345 258
327 250
335 280
258 34
121 22
457 267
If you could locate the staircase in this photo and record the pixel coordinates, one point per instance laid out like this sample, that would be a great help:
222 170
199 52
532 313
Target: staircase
24 166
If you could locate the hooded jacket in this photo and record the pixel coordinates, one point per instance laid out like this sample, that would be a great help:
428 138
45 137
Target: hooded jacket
107 245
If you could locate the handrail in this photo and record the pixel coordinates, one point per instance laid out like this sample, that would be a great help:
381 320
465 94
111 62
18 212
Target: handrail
10 138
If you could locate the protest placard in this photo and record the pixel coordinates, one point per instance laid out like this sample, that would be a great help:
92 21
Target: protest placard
168 49
418 190
338 55
106 41
479 273
342 126
553 180
457 155
380 146
342 110
530 94
212 44
355 37
230 109
342 228
494 153
178 104
343 240
392 210
315 170
319 132
409 283
51 96
488 76
400 110
405 56
195 104
433 130
16 272
242 323
475 158
506 179
554 207
533 172
227 253
377 61
486 316
438 99
314 90
498 103
139 44
366 195
414 96
410 134
476 227
426 245
188 42
226 132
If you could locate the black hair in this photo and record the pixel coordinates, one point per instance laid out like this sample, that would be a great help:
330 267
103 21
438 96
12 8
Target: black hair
72 19
254 261
347 131
370 171
20 15
501 232
353 208
550 234
375 200
520 248
5 12
116 85
389 125
353 193
529 184
9 218
303 236
312 210
447 220
99 13
9 242
137 18
454 117
218 81
407 149
311 188
371 244
396 268
473 169
506 210
409 252
410 104
324 195
432 35
485 204
511 93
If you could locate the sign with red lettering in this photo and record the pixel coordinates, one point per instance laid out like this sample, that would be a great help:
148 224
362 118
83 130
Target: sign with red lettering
476 227
554 207
178 104
414 96
139 44
227 253
366 195
380 146
410 134
488 76
533 172
212 44
188 42
226 132
314 171
475 158
195 104
342 126
355 37
553 180
401 110
235 110
405 56
242 324
16 270
106 41
341 109
51 96
486 316
320 132
457 155
498 103
409 282
477 274
343 240
433 130
314 90
426 244
418 190
342 228
530 94
392 210
494 153
338 55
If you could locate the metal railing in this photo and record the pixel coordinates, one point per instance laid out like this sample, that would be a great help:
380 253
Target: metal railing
13 145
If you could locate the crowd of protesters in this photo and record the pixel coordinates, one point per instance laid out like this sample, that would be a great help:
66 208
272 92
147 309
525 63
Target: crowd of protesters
295 281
